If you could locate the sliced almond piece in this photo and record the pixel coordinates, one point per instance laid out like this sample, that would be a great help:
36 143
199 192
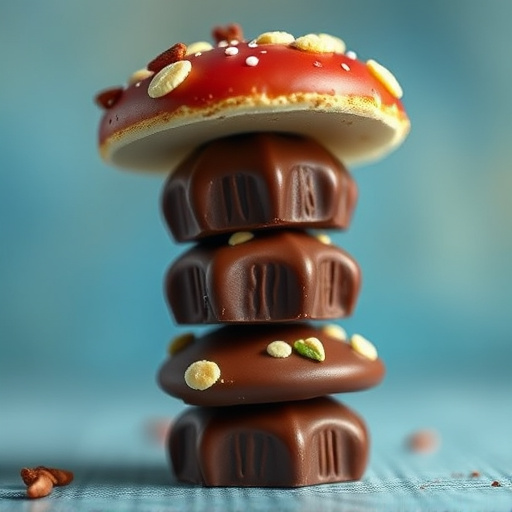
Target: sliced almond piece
168 78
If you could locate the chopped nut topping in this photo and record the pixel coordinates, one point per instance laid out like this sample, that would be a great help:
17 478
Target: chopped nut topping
173 54
202 375
324 238
139 75
311 348
335 331
364 347
319 43
108 98
229 33
337 44
198 47
279 349
180 342
275 38
252 61
168 78
240 237
386 78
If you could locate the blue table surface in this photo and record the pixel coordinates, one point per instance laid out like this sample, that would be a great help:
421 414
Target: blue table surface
120 463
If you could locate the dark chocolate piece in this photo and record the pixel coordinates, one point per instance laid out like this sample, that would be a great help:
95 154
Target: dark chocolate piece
277 445
249 375
256 181
276 276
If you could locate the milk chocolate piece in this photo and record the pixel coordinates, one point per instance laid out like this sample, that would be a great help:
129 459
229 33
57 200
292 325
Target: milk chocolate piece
276 276
249 375
255 181
278 445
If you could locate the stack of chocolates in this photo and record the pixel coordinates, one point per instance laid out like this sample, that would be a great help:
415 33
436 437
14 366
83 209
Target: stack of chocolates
259 382
252 136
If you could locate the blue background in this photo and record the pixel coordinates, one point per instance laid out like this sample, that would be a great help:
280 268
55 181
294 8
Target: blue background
83 248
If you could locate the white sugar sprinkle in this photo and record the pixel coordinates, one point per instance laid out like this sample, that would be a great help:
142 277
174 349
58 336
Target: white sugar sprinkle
197 54
222 44
345 66
252 44
351 55
252 60
231 50
234 42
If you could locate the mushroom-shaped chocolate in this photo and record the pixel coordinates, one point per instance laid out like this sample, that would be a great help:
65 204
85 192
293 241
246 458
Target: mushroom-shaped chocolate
275 83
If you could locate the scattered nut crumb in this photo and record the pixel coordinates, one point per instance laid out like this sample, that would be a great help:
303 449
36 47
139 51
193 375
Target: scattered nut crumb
495 483
168 78
180 342
275 38
385 76
41 480
240 237
474 474
202 375
363 347
311 348
423 441
279 349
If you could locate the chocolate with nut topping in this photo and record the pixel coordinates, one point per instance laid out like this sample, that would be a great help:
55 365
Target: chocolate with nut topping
257 181
272 445
250 375
275 276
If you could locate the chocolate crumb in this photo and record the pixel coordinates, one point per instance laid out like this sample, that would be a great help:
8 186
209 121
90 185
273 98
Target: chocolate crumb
474 474
496 483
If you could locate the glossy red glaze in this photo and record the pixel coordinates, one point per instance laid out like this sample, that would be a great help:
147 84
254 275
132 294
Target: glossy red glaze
215 77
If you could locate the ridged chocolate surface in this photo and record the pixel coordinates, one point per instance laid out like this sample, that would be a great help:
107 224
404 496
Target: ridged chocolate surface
273 445
248 375
257 181
277 276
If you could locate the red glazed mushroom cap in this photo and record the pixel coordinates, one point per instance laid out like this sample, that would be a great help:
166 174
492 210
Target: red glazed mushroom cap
276 83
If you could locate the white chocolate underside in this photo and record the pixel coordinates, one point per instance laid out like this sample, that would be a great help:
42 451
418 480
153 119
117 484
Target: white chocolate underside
355 130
